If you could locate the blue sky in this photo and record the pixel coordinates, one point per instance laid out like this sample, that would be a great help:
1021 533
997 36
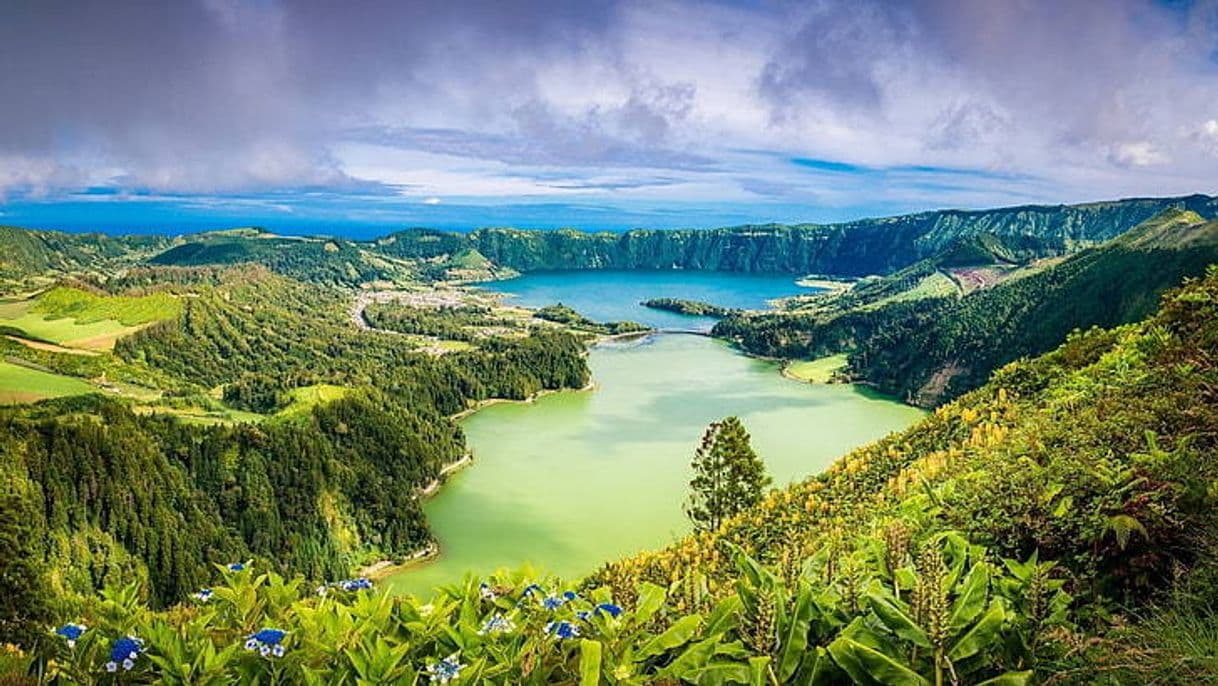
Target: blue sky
306 116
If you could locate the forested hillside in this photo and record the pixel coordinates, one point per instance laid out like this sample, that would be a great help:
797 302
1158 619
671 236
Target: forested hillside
25 252
858 248
927 349
327 435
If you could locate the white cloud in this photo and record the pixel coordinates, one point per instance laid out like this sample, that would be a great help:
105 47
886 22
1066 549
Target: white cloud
1138 154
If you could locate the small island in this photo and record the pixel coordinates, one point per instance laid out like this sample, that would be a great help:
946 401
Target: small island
690 307
562 314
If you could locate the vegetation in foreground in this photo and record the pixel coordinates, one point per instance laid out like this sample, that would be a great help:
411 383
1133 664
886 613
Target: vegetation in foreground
1022 533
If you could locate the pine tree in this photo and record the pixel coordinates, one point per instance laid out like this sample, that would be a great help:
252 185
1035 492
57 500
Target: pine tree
24 607
728 475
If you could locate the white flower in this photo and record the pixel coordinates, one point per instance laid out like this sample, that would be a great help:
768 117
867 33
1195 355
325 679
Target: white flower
111 666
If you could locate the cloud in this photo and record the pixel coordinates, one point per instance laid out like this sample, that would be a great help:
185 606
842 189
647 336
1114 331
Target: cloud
616 101
1137 154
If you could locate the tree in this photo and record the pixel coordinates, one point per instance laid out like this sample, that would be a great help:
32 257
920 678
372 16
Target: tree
24 607
728 475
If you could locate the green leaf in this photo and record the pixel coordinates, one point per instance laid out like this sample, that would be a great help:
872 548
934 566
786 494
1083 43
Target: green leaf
759 668
1009 679
897 620
589 662
984 634
868 666
693 660
718 674
724 617
651 598
793 639
676 635
971 600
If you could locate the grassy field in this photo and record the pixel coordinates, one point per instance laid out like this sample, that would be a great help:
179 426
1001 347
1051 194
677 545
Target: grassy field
306 397
815 371
77 319
20 384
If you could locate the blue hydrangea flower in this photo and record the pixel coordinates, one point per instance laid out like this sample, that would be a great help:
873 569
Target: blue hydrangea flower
570 595
203 595
446 670
583 615
552 602
236 567
531 589
485 591
268 642
71 632
497 625
562 630
125 652
360 584
609 609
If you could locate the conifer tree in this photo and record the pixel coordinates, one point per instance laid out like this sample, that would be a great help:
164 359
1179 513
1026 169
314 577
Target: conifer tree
24 607
728 475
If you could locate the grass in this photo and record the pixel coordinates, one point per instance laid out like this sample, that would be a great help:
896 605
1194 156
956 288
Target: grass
77 319
816 371
936 285
20 384
85 308
305 398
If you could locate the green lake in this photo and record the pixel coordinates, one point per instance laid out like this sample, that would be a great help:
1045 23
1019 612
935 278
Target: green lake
576 478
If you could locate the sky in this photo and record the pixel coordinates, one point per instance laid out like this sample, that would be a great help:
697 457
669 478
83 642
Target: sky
370 115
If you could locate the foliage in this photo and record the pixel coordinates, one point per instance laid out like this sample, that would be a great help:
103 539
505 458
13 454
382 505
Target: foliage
125 496
728 478
257 393
773 627
25 601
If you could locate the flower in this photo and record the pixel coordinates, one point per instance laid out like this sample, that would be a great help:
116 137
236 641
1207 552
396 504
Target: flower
268 642
360 584
570 595
583 615
609 609
236 567
125 651
562 630
322 590
485 591
551 602
531 589
445 670
203 595
497 625
71 632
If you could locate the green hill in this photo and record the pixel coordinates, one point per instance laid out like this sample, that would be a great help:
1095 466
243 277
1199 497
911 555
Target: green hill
929 349
28 252
857 248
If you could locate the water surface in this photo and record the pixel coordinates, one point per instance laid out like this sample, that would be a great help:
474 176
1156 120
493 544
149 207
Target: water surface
607 296
577 478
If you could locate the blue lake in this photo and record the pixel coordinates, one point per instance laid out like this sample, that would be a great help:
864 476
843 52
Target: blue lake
607 296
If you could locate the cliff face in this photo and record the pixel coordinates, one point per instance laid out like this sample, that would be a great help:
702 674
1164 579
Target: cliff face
869 246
